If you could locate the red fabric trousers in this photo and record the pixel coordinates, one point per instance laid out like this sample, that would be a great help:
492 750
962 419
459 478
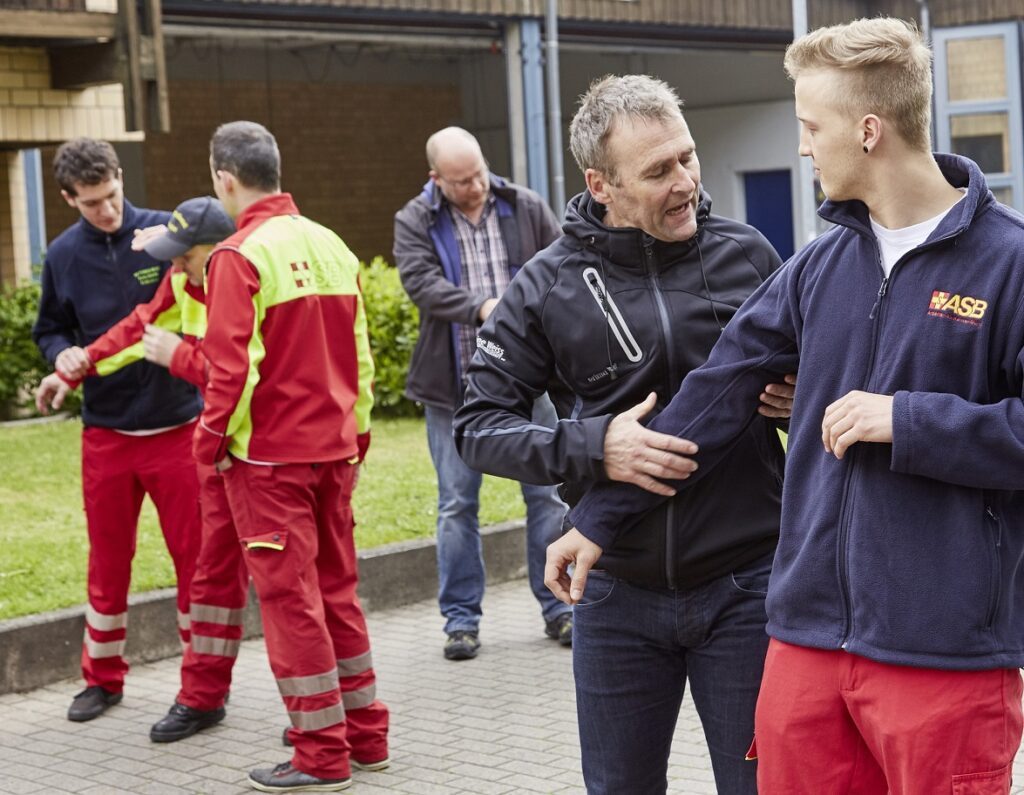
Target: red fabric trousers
295 525
831 722
218 595
118 470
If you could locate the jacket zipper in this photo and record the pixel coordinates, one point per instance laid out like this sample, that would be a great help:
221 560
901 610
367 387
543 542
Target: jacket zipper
128 300
665 324
876 317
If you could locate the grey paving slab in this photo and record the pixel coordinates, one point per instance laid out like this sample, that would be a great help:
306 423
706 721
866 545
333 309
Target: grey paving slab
503 723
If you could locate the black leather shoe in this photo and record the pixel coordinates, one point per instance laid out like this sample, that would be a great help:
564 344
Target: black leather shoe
181 722
285 778
91 703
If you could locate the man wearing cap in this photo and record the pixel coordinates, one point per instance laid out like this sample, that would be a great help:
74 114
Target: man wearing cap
218 589
138 421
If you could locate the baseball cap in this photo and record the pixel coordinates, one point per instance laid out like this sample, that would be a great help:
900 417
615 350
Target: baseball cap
193 222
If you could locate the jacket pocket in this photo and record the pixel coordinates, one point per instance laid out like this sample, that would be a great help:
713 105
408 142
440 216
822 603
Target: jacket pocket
271 541
994 539
613 316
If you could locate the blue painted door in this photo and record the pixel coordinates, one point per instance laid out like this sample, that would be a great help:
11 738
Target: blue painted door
769 198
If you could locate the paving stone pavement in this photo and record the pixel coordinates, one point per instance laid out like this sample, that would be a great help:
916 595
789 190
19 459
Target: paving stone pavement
503 723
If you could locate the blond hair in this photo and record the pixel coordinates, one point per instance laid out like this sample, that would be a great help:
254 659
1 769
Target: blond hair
886 68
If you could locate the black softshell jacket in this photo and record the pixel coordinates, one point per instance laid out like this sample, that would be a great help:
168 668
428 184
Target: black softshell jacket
600 319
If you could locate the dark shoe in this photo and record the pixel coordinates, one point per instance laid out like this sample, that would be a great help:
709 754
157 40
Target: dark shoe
285 778
461 645
371 767
91 703
181 722
560 628
358 764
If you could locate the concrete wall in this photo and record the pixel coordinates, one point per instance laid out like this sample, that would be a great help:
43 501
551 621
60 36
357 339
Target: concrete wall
731 141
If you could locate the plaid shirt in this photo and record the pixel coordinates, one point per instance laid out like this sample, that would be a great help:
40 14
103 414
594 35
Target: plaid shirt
484 266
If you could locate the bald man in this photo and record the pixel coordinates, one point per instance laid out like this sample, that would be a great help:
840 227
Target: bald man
457 245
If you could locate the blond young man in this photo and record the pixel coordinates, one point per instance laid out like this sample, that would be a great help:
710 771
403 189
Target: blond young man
896 602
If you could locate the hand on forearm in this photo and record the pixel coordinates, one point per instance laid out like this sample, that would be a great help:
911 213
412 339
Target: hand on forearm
159 344
777 399
73 363
634 454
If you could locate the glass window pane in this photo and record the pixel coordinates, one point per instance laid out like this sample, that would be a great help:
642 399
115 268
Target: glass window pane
976 68
1004 195
983 137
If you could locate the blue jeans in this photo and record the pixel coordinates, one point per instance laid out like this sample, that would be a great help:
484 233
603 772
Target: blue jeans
460 564
633 649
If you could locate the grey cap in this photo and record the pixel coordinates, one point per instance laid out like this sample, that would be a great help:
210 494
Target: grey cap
193 222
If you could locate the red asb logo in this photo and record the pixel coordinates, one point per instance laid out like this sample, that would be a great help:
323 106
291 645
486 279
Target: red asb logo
301 272
961 308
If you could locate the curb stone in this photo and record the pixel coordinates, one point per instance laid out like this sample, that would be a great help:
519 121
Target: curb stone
44 648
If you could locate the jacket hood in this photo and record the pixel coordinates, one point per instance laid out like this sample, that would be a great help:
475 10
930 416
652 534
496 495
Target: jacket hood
960 172
584 220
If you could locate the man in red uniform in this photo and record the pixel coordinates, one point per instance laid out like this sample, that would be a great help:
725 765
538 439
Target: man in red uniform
137 422
287 421
218 590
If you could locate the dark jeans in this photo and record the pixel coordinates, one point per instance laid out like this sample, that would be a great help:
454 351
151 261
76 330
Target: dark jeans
633 649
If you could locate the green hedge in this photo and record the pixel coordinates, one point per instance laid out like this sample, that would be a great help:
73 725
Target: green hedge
393 323
392 320
21 365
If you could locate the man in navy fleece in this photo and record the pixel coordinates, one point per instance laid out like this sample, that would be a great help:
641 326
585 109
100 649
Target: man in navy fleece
896 602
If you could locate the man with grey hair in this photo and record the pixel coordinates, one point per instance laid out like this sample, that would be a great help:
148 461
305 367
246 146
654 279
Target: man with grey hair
609 319
457 246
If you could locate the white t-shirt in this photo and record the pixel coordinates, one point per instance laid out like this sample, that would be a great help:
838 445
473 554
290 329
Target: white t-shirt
894 243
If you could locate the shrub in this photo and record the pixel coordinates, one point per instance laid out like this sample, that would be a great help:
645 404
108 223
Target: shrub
21 364
393 323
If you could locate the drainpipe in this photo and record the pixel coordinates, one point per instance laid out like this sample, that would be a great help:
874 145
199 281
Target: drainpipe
926 34
806 229
554 109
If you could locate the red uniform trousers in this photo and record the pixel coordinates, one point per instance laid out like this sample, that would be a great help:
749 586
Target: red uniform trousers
218 595
118 470
295 525
831 722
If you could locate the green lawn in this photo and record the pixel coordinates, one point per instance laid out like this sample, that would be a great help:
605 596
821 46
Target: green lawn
42 529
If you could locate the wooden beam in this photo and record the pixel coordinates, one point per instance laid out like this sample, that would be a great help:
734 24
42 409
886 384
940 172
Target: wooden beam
56 25
158 101
80 66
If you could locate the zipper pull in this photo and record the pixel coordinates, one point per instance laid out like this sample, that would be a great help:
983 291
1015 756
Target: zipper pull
878 300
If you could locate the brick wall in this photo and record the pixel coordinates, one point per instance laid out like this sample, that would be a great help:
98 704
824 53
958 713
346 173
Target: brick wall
32 112
352 153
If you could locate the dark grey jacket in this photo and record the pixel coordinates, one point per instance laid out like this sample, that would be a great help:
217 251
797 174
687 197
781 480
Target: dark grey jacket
427 255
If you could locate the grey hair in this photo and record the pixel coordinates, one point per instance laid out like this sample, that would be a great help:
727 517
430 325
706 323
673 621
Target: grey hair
247 150
608 99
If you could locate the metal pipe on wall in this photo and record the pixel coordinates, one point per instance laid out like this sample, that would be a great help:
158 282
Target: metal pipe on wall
807 228
554 109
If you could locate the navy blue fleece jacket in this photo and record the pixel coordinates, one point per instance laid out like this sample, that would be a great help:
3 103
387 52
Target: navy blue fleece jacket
911 552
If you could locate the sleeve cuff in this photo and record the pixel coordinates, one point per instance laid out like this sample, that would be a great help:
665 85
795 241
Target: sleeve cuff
901 432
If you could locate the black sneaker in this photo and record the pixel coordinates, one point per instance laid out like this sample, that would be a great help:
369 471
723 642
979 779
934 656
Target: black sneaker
560 628
369 765
461 645
91 703
182 721
285 778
